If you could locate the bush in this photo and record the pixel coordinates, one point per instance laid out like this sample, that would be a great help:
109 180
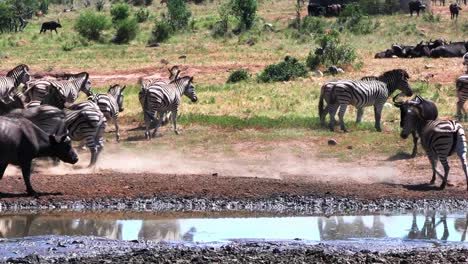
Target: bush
311 24
44 6
24 8
142 15
221 28
6 14
91 24
178 14
353 19
286 70
162 31
374 7
140 2
431 18
331 52
126 31
237 76
120 11
245 11
100 5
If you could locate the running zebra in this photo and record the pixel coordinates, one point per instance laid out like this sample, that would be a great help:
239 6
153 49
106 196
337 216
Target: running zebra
66 91
361 93
145 83
462 94
13 79
111 104
164 98
85 121
439 138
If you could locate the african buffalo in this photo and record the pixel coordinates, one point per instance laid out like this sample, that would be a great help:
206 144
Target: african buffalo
416 6
454 10
454 49
314 9
51 25
333 10
389 53
21 141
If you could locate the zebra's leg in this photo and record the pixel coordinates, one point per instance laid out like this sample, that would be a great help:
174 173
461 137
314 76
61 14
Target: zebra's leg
148 118
444 162
332 112
117 130
415 145
460 110
341 114
378 115
461 152
158 123
2 170
433 161
174 121
360 113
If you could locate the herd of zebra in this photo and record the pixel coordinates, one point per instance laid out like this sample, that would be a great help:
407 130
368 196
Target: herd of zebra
418 116
53 102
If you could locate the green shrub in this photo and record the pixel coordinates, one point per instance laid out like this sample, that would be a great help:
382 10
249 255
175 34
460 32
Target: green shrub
465 27
331 52
100 5
6 14
162 31
286 70
237 76
178 14
140 2
126 31
431 18
24 8
142 15
221 28
120 11
245 11
311 24
353 19
374 7
44 6
91 24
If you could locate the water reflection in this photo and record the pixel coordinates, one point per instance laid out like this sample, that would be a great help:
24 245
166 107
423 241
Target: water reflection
426 226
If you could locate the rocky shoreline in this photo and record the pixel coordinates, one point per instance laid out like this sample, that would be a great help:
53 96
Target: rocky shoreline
297 205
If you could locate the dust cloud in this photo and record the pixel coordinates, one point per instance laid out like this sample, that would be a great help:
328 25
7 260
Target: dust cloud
278 163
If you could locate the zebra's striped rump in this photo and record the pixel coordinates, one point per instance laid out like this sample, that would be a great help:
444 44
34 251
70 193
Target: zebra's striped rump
439 138
462 94
14 78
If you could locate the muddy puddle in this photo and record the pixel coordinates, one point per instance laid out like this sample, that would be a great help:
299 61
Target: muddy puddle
220 228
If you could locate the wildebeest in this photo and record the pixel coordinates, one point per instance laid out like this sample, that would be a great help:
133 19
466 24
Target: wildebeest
454 10
50 25
453 49
428 112
314 9
333 10
416 6
21 141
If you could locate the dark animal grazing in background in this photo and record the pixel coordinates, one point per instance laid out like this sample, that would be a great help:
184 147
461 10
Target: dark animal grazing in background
361 93
111 104
416 6
21 141
314 9
333 10
51 25
454 10
428 111
453 49
439 138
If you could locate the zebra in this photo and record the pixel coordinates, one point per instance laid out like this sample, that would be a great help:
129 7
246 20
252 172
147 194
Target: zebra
14 79
85 121
462 94
66 91
145 83
111 104
439 138
162 98
361 93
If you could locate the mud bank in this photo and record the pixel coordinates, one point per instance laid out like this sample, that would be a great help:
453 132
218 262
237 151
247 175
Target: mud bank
298 205
90 250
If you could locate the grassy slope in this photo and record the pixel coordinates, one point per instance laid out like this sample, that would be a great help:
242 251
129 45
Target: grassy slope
279 110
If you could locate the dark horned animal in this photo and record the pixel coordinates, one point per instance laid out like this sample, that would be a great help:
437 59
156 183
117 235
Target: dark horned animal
50 25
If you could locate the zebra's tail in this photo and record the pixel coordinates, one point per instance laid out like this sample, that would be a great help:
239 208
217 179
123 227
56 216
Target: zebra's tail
101 126
321 107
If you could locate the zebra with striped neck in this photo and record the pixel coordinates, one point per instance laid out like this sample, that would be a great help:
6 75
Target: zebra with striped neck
361 93
85 121
66 91
111 104
13 79
462 94
166 98
147 82
439 138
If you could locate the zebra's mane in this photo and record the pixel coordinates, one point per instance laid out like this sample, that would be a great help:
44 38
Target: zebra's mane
387 74
17 69
115 90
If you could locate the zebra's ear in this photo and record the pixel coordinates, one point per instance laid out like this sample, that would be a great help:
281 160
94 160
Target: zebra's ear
191 79
123 88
